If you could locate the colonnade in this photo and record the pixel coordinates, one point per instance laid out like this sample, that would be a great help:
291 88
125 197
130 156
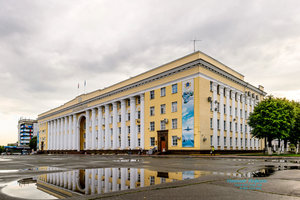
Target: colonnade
64 131
232 131
98 181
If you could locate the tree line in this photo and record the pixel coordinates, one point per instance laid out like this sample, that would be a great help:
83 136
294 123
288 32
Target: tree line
276 118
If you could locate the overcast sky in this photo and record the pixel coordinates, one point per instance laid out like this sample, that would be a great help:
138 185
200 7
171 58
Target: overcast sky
48 47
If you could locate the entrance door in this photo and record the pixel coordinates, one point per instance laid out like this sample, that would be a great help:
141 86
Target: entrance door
82 133
162 140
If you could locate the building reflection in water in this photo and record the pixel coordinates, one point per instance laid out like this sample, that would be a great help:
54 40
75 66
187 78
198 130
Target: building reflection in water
104 180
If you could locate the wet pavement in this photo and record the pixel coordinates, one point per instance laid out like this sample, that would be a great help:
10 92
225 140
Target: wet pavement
144 177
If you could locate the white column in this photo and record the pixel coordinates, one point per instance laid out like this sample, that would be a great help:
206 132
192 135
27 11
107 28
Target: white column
87 130
243 121
87 181
70 133
115 126
93 181
142 175
58 133
233 120
142 107
221 91
114 179
246 118
62 133
123 124
106 179
123 178
49 135
69 180
100 174
74 139
107 135
93 140
132 177
133 135
100 130
252 138
227 90
238 121
214 106
54 135
65 133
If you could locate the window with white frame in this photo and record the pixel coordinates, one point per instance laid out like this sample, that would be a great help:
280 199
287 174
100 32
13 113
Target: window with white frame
174 106
139 128
162 125
128 129
211 140
152 126
174 123
174 140
174 88
152 95
152 113
152 180
162 108
139 142
129 141
139 114
152 141
163 92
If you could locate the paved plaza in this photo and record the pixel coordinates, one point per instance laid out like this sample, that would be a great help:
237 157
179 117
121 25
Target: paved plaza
160 177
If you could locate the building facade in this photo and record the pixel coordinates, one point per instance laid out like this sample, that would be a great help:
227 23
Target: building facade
27 128
190 104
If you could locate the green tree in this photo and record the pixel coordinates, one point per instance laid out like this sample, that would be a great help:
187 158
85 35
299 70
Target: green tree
294 136
33 143
273 118
1 149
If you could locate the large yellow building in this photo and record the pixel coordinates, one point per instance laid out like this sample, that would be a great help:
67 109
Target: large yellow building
189 104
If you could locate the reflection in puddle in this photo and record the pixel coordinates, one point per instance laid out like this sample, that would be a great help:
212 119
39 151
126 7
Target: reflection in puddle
271 169
93 181
8 171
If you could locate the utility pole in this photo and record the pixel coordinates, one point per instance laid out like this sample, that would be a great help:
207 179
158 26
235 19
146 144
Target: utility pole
194 41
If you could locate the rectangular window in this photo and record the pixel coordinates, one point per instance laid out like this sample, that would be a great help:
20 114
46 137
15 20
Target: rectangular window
139 128
163 109
241 127
224 141
138 100
174 106
230 126
218 124
152 180
152 111
174 140
246 142
174 123
236 141
152 141
245 128
211 140
241 142
162 125
174 88
224 109
230 108
128 102
111 131
128 129
128 116
224 125
152 96
211 106
163 92
120 118
119 130
241 113
139 142
152 126
218 140
210 86
129 141
211 123
139 114
231 141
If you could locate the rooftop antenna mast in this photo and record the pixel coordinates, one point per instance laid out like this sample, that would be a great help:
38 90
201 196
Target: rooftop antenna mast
194 41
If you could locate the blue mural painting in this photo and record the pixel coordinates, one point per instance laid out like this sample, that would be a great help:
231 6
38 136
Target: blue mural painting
188 113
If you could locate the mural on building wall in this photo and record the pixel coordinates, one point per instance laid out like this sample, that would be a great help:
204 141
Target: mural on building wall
188 113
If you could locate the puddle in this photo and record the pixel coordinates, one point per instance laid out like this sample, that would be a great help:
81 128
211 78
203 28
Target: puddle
91 181
3 159
271 169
